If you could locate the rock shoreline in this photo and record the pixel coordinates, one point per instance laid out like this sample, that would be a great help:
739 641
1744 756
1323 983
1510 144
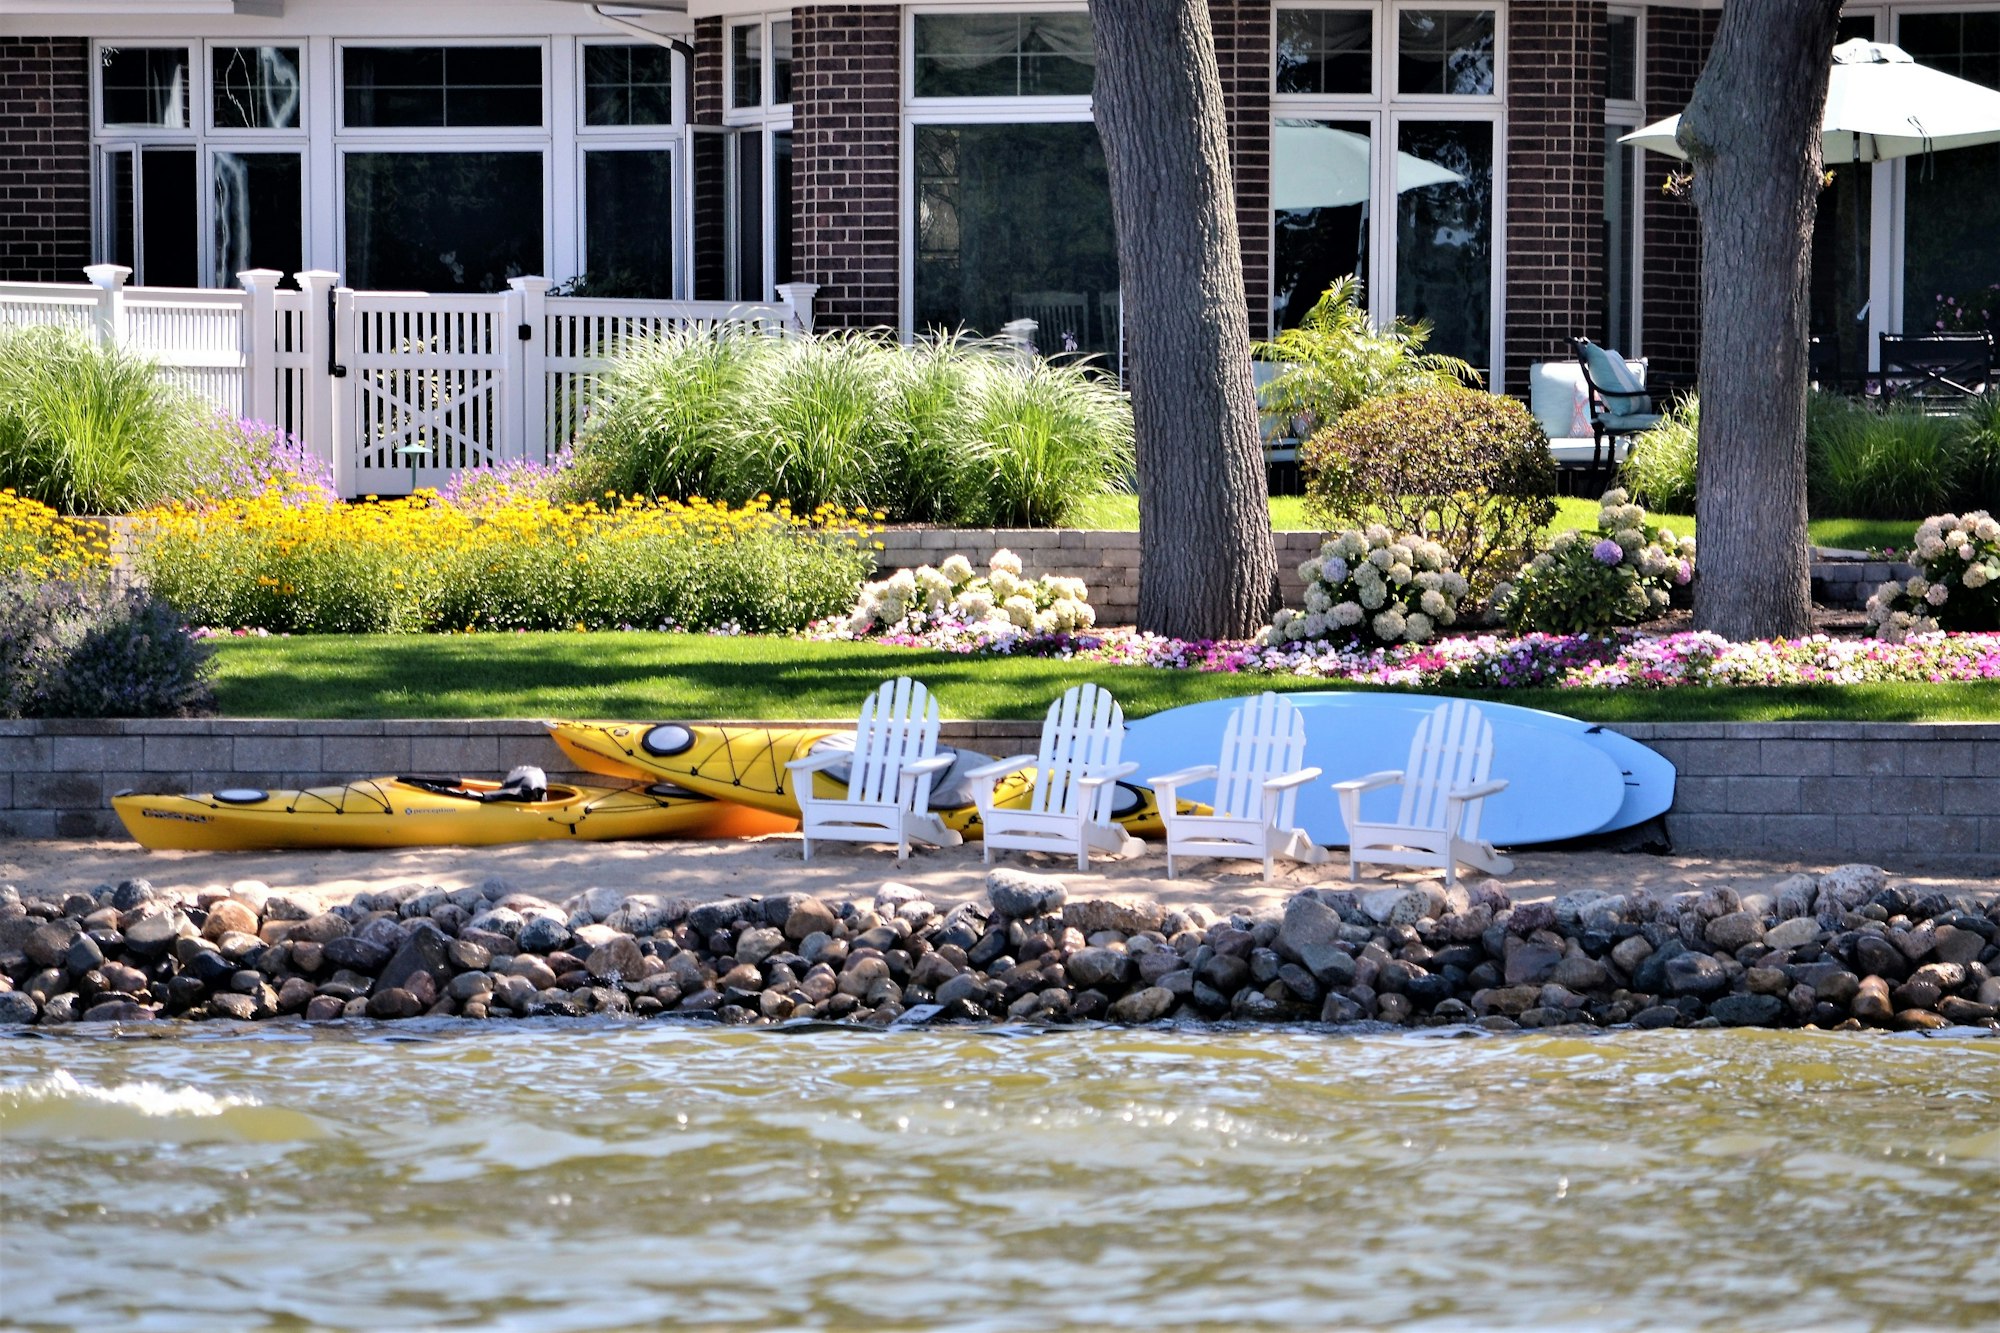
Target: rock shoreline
1846 950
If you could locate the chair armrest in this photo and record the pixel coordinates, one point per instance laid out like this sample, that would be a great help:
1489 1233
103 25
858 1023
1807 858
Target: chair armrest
1092 781
1182 778
937 763
999 768
1284 781
1477 790
1388 777
812 763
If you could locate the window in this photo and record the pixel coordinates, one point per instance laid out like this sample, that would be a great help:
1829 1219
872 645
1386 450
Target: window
144 85
628 85
257 219
441 87
756 223
1621 62
628 194
442 221
748 68
256 87
1951 200
1323 177
1445 52
1444 234
1623 184
1328 51
151 223
1003 55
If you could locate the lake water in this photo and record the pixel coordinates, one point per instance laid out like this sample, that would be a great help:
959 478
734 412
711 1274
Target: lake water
570 1175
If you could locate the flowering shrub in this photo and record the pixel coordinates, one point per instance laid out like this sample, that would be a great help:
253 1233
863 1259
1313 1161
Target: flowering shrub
87 649
1621 572
1375 586
420 563
999 602
1977 313
513 481
243 458
40 543
1957 585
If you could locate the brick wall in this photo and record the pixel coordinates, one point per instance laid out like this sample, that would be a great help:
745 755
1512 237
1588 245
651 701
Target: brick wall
710 203
846 155
44 159
1677 42
1243 57
1555 180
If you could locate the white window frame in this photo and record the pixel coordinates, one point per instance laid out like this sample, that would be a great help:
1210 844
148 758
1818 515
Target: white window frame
542 130
670 138
766 120
1378 72
1631 112
921 111
764 108
1385 112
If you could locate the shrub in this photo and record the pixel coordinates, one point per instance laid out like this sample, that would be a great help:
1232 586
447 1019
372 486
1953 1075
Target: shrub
818 423
1336 359
88 649
1621 572
1471 471
1659 468
1957 585
90 430
1049 437
1375 586
952 594
242 458
1886 463
1979 452
512 482
42 545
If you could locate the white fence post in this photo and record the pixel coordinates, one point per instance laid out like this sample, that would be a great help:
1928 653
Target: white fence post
527 307
260 344
317 420
799 296
109 279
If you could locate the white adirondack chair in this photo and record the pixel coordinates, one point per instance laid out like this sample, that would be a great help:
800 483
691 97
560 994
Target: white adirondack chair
1443 790
1076 783
894 762
1257 786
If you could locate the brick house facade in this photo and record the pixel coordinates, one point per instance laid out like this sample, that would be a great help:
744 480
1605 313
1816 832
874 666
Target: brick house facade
44 159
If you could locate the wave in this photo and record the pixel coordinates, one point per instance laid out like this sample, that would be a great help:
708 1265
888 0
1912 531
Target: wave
62 1106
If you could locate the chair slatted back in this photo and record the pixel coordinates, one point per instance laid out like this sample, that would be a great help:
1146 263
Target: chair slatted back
1453 748
1082 735
898 725
1264 738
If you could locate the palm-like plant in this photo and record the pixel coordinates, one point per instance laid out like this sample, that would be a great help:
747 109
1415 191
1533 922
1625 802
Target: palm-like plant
1336 359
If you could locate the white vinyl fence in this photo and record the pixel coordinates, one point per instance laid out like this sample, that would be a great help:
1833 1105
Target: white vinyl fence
394 389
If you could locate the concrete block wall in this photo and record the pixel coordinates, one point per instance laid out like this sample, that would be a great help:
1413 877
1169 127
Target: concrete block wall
1897 794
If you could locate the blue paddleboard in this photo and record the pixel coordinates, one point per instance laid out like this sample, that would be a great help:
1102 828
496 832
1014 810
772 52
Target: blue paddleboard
1565 778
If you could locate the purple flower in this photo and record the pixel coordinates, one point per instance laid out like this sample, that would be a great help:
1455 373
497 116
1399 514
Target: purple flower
1608 552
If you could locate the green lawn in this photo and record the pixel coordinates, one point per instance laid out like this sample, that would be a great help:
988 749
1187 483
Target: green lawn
1288 514
650 676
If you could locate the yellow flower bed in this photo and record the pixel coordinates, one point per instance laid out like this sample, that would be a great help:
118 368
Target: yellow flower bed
420 563
37 541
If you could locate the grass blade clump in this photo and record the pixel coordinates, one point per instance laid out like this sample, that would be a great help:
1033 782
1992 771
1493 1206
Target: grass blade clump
1891 463
935 463
1052 436
816 424
1659 470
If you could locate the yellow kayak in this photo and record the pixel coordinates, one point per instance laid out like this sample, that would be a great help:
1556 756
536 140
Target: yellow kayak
429 812
746 765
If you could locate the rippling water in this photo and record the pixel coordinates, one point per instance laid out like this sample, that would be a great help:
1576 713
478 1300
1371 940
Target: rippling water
573 1176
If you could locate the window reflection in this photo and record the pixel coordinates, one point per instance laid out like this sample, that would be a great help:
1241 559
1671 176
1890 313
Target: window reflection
1004 55
145 85
1322 175
1326 51
1444 51
257 215
257 87
1444 234
443 222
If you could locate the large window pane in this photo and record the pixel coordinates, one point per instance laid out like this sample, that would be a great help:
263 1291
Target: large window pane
781 205
443 222
1444 51
781 61
1322 173
628 85
1952 199
1621 66
257 214
1004 55
439 87
1621 167
628 245
1014 222
1444 234
169 253
1326 51
257 87
749 216
1839 294
145 85
121 243
746 65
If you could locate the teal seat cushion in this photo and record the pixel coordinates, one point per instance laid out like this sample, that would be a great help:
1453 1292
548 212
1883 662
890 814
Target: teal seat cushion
1623 394
1619 422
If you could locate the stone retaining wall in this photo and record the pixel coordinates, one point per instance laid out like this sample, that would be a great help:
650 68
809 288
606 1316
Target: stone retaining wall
1897 794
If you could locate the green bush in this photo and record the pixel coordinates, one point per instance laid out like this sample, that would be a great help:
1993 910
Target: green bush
1869 463
88 430
88 649
1470 471
1337 359
950 431
1621 572
1659 468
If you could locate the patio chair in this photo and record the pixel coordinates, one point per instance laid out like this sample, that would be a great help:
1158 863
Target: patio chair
1444 786
1076 783
894 762
1055 314
1257 785
1936 371
1620 407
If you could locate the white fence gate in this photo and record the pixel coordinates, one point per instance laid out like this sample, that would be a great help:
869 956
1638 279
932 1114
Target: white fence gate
394 389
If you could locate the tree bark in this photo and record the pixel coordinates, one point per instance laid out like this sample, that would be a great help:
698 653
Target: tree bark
1752 132
1206 564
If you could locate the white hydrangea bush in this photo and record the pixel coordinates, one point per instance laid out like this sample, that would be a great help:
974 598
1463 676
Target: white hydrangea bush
1957 584
1375 585
1621 572
955 593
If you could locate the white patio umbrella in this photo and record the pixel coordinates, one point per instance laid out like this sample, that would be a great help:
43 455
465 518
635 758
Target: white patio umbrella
1322 167
1880 104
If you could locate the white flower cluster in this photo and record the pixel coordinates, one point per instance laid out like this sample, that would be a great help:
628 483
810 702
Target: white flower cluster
912 601
1374 584
1632 566
1955 554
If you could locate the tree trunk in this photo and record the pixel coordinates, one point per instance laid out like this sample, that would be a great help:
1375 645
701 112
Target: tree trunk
1206 566
1752 131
